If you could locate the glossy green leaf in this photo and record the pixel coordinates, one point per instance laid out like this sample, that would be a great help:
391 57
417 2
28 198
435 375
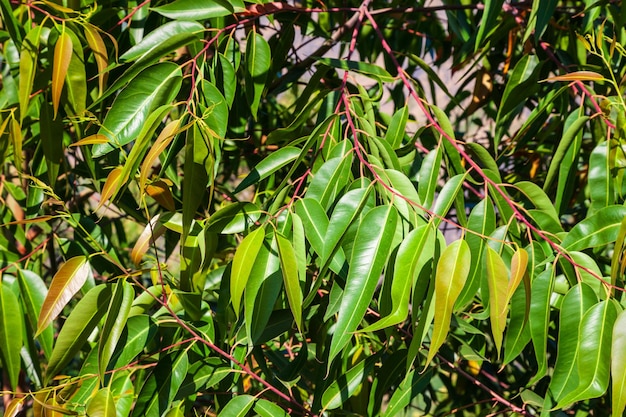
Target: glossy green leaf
618 365
450 277
429 176
601 177
92 35
370 253
447 196
33 292
162 385
538 198
11 323
198 9
262 290
316 225
195 181
345 386
269 165
518 331
215 116
163 40
539 319
76 79
594 353
329 180
136 335
498 279
67 281
151 88
258 64
291 281
396 130
102 404
243 262
578 300
600 229
409 262
238 406
348 208
28 68
265 408
413 384
117 314
234 218
84 318
492 10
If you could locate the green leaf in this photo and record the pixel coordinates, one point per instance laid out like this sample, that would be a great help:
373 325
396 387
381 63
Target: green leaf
161 387
564 145
238 406
413 384
151 88
578 300
33 293
234 218
601 177
498 279
329 180
258 64
599 229
262 290
539 199
518 331
370 253
396 129
62 57
196 178
102 404
28 68
265 408
76 79
594 353
84 318
11 323
539 318
370 70
289 269
411 258
450 192
163 40
345 386
243 262
268 166
215 116
492 10
348 208
429 176
618 365
199 9
68 280
450 277
137 333
117 314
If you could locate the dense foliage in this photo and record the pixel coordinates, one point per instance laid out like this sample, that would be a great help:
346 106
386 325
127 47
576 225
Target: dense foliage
306 208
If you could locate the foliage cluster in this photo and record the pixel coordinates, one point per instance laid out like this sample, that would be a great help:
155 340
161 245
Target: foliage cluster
219 206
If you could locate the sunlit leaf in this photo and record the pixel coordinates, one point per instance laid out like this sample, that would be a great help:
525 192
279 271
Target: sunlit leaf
498 279
618 364
343 388
242 265
291 281
578 76
66 282
258 64
238 406
10 334
102 404
95 42
62 57
199 9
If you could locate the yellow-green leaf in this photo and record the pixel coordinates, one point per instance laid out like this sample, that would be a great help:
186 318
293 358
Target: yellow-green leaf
16 138
242 265
95 139
162 141
62 57
452 270
618 364
289 267
112 186
95 42
102 404
11 324
498 280
66 282
28 67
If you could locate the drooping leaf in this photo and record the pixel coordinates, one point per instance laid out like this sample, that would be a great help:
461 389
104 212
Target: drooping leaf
10 334
450 277
134 339
370 253
199 10
269 165
291 281
601 177
344 387
265 408
62 57
84 317
428 176
28 68
33 292
258 64
578 300
618 365
329 180
242 265
412 385
116 317
66 282
234 218
396 130
102 404
498 279
99 50
539 318
160 144
594 352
